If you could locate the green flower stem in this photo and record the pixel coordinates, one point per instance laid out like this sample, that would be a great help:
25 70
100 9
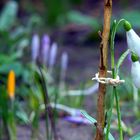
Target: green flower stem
111 107
109 116
114 74
12 123
118 114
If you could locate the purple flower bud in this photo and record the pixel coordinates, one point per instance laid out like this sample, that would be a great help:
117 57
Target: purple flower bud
64 61
77 120
35 44
45 48
53 53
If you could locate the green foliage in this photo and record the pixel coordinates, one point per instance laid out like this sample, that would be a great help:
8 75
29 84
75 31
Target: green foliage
8 16
121 59
59 13
7 114
16 66
12 41
81 19
22 116
93 121
76 2
136 137
55 9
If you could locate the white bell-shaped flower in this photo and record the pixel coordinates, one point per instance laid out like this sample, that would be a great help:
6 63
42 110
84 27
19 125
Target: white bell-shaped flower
135 72
133 40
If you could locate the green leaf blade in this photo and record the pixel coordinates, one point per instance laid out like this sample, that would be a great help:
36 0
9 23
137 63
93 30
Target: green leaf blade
136 137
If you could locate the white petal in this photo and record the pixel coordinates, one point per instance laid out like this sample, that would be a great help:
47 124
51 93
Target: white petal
133 41
135 72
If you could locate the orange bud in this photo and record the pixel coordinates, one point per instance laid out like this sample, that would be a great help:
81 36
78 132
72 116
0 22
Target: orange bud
11 84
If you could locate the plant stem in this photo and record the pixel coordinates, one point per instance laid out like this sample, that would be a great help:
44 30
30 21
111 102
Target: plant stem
46 103
12 122
103 70
114 74
49 113
110 116
118 114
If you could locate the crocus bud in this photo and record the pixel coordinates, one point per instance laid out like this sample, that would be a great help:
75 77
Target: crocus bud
64 65
133 40
45 48
77 120
64 61
134 57
135 72
11 84
53 53
35 44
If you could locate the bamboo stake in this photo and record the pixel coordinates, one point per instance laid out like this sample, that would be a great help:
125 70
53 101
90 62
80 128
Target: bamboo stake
103 70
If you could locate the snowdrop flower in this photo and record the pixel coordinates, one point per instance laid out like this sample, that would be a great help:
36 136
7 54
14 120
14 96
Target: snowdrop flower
35 44
133 40
135 70
53 53
45 48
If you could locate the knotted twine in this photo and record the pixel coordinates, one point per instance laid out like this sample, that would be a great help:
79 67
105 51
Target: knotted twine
108 80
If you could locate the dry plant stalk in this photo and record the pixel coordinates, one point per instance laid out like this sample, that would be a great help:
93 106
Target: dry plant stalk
103 70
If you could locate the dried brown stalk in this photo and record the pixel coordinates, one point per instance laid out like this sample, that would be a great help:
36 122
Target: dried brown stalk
103 69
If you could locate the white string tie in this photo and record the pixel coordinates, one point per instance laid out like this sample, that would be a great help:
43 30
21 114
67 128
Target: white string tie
108 80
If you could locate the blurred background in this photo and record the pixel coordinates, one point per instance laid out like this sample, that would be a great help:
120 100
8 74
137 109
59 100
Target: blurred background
73 24
62 36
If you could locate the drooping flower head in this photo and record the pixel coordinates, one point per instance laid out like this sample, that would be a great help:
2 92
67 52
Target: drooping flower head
35 45
133 40
11 84
45 48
